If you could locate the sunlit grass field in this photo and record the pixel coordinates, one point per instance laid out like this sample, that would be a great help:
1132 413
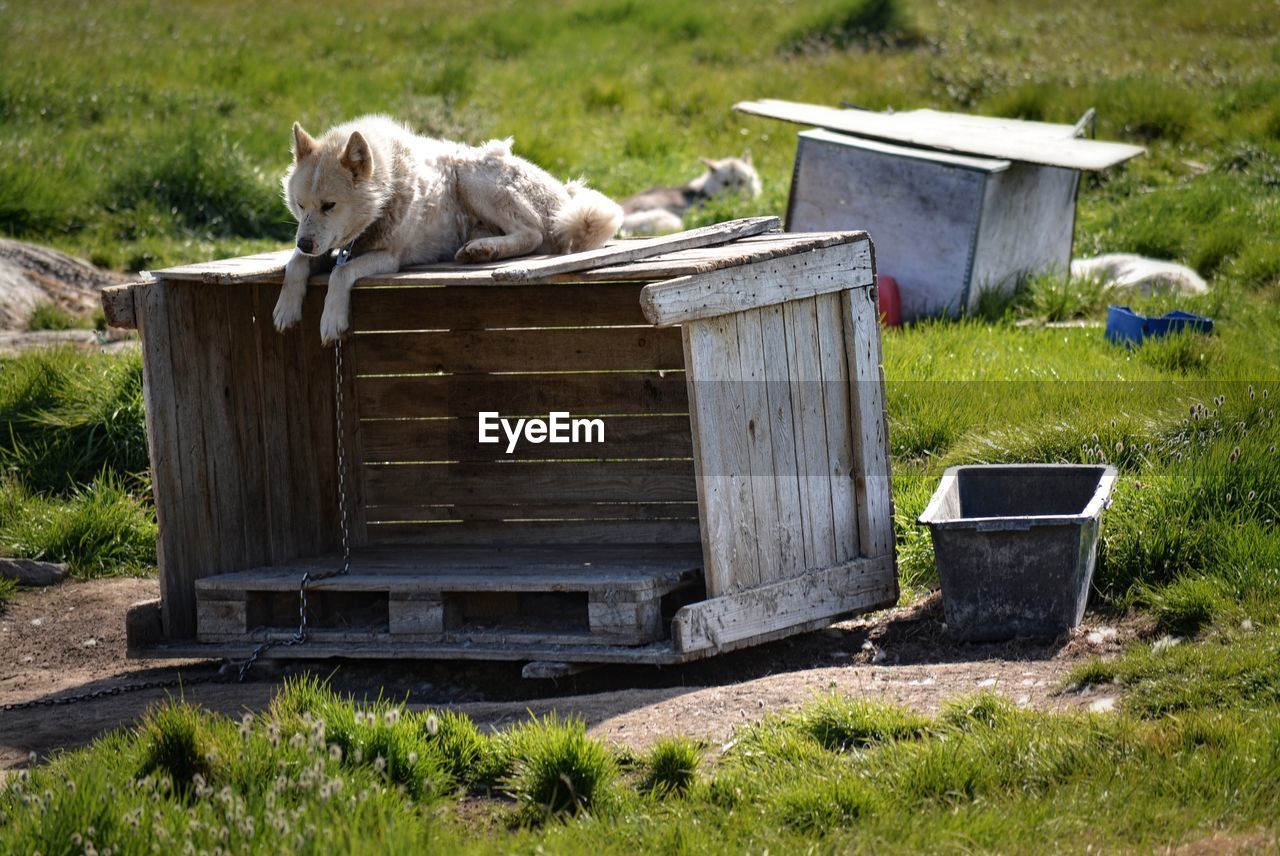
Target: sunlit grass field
143 134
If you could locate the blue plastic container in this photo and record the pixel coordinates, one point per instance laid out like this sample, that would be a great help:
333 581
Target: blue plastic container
1126 327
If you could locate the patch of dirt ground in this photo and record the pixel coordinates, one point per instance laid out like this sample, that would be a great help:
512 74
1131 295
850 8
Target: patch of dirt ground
69 640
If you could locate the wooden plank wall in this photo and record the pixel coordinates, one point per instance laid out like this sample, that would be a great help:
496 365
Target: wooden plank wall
241 429
431 358
873 483
790 446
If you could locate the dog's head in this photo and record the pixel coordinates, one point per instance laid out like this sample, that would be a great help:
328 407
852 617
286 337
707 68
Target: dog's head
731 175
330 189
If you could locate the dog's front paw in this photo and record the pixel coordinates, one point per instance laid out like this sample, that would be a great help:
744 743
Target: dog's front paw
476 251
333 324
288 311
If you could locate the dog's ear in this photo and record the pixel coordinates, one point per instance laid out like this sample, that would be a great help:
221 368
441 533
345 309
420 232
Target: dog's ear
709 163
303 143
357 157
746 158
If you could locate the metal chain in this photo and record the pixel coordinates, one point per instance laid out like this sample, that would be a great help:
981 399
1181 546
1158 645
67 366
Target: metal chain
299 635
166 684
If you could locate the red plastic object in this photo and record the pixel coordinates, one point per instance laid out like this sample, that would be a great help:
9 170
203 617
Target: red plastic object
890 301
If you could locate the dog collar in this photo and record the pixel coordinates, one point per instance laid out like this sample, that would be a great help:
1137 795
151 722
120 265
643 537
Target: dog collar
344 255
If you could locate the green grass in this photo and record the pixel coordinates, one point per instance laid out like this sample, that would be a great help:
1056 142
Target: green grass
68 417
50 316
1236 666
102 529
671 767
845 24
74 485
316 772
8 588
159 134
836 724
556 769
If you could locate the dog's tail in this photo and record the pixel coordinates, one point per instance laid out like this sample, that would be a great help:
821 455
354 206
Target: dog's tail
587 220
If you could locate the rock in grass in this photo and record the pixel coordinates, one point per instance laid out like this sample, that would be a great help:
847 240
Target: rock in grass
33 276
29 572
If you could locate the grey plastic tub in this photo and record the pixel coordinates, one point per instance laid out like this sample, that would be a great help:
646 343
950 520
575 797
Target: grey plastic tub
1016 545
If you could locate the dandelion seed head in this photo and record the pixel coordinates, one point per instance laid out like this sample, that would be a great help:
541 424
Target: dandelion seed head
433 724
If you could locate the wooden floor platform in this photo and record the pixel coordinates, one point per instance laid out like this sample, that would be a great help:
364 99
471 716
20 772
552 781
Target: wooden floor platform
539 596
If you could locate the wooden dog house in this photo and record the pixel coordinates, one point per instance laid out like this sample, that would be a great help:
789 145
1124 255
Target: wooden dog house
741 492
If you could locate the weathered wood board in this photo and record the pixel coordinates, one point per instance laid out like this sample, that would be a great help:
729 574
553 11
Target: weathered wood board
1030 142
630 251
775 429
826 594
766 283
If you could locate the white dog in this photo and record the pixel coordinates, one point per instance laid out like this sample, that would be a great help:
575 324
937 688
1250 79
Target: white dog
1126 271
662 209
388 198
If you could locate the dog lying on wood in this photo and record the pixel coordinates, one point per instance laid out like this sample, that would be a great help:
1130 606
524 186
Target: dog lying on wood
659 210
387 198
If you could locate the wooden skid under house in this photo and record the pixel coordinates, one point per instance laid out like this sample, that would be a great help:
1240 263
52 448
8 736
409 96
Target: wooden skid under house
740 493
